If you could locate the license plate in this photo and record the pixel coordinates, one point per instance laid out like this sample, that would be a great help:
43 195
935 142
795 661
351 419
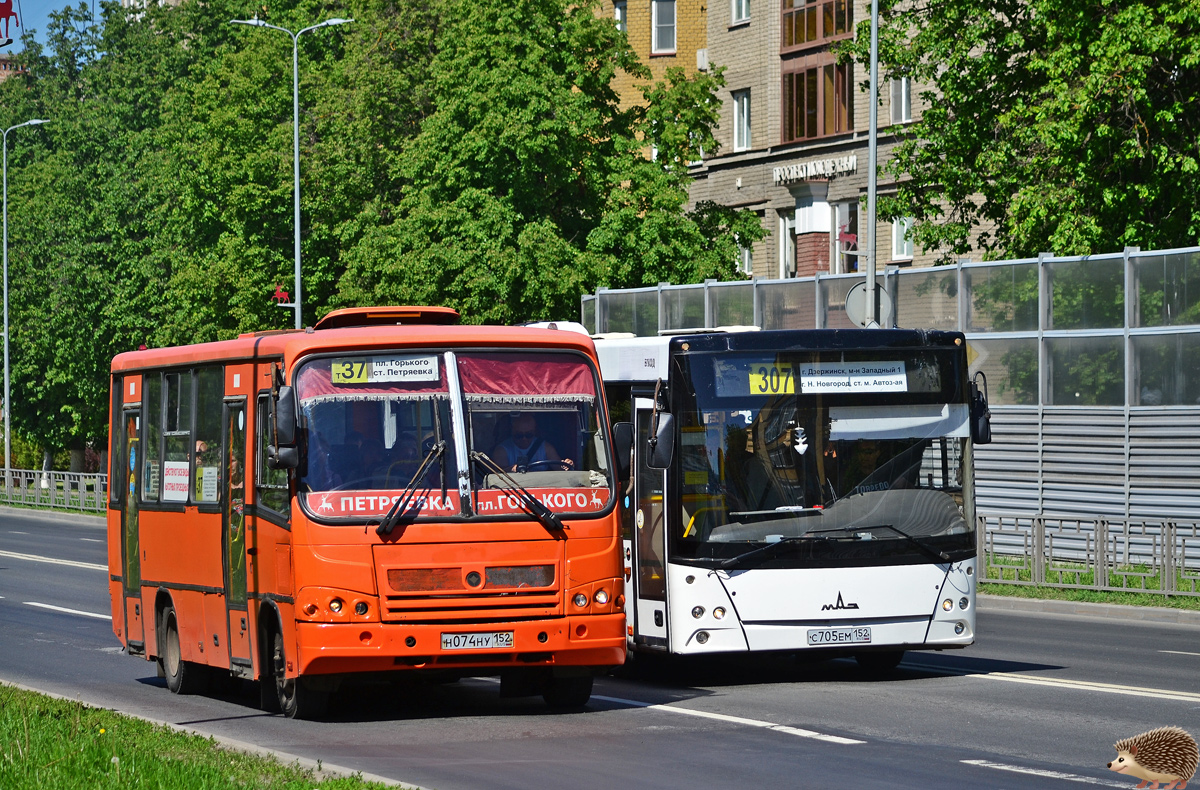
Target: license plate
839 636
485 641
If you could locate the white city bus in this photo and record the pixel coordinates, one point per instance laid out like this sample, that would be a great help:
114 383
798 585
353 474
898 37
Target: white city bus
798 491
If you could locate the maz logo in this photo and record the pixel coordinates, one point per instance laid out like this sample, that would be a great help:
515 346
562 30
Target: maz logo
839 604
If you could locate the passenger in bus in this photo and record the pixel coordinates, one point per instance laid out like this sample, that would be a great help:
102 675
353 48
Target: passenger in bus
320 476
525 448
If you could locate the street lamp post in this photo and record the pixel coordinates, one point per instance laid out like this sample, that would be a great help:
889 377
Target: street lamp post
7 392
256 22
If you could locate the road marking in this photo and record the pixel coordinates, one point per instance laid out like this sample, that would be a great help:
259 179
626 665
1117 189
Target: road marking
14 532
53 560
1179 652
766 725
1018 769
69 611
1080 685
91 540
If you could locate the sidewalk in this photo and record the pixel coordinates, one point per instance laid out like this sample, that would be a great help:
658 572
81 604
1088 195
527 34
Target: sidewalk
69 516
1108 611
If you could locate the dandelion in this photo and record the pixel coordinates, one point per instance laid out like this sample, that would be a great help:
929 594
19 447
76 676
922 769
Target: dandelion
116 760
102 730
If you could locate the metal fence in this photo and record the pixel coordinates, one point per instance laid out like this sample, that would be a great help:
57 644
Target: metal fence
1161 557
56 490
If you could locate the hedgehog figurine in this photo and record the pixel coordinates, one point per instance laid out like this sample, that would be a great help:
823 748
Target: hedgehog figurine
1167 754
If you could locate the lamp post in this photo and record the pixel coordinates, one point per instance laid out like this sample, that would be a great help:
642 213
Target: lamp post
256 22
7 393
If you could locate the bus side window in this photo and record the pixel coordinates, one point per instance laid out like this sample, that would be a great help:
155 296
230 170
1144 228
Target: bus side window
272 484
152 452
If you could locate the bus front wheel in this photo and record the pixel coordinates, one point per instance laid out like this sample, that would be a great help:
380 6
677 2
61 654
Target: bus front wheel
297 700
183 677
569 692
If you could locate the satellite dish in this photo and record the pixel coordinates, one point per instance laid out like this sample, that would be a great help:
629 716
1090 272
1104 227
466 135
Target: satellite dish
856 305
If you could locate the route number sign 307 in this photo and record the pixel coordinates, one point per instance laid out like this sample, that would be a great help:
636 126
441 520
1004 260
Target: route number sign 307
772 380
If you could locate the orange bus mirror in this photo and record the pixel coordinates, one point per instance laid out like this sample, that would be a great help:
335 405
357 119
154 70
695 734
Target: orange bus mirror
622 436
285 417
282 457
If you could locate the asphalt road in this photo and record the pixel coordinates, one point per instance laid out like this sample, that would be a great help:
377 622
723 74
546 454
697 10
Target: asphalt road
1037 702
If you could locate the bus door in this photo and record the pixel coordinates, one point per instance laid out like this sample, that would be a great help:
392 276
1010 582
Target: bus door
131 563
650 536
233 531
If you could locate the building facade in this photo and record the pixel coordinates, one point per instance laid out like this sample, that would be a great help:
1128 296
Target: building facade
10 67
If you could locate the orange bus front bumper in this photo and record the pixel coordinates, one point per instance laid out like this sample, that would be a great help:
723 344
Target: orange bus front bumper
586 641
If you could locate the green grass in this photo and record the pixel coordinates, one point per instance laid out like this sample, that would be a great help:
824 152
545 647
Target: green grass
1068 573
47 742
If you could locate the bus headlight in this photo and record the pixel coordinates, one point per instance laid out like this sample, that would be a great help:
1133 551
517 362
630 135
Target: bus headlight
702 637
959 628
601 597
335 606
697 612
947 604
719 613
963 602
580 600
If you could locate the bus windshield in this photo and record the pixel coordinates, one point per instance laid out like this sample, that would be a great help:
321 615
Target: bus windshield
385 427
843 458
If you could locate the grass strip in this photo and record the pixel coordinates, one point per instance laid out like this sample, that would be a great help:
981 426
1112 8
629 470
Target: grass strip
1092 596
48 742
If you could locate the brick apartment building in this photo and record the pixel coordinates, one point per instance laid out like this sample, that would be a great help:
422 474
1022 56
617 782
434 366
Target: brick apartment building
793 129
9 67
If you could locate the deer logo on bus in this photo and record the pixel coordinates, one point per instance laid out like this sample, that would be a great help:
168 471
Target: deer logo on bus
324 505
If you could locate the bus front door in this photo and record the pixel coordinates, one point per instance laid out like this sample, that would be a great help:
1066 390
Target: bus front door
233 528
131 561
649 543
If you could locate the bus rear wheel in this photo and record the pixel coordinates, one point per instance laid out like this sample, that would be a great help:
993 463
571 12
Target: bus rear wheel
568 693
183 677
296 699
878 663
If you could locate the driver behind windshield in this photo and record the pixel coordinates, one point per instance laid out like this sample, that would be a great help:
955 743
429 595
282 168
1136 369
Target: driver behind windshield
524 447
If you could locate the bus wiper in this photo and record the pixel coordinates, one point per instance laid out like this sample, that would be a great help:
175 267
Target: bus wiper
924 549
529 503
402 508
729 563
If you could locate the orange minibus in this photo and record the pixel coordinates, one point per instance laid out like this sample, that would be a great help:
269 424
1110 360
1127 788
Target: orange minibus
385 492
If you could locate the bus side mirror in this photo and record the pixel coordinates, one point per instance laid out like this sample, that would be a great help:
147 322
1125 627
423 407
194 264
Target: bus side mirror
283 454
662 444
622 436
981 415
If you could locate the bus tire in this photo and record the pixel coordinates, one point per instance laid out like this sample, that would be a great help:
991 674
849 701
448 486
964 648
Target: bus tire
568 693
879 663
297 699
183 677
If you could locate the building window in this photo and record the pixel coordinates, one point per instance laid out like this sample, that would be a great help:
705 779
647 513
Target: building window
741 120
809 22
741 11
663 23
901 100
817 102
902 244
745 261
619 15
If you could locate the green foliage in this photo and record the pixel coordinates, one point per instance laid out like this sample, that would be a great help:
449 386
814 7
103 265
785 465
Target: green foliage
451 153
1068 126
46 742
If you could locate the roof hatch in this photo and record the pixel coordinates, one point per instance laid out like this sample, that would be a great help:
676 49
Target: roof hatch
387 316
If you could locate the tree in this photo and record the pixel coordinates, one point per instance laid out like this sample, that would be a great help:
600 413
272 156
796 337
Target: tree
1067 126
528 184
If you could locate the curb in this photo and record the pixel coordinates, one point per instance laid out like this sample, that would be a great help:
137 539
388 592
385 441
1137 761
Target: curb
1107 611
73 516
318 767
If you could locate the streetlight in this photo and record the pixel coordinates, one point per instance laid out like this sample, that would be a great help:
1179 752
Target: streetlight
256 22
7 398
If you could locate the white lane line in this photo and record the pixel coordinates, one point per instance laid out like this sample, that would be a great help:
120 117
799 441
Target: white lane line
91 540
1019 769
1079 685
14 532
53 560
765 725
69 611
1179 652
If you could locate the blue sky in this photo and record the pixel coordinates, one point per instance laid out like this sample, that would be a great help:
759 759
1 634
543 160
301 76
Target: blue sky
36 14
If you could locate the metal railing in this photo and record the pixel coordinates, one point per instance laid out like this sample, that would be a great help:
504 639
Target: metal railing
86 493
1090 553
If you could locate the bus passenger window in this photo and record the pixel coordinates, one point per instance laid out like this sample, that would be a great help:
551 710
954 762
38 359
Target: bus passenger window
210 394
177 436
272 483
152 470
